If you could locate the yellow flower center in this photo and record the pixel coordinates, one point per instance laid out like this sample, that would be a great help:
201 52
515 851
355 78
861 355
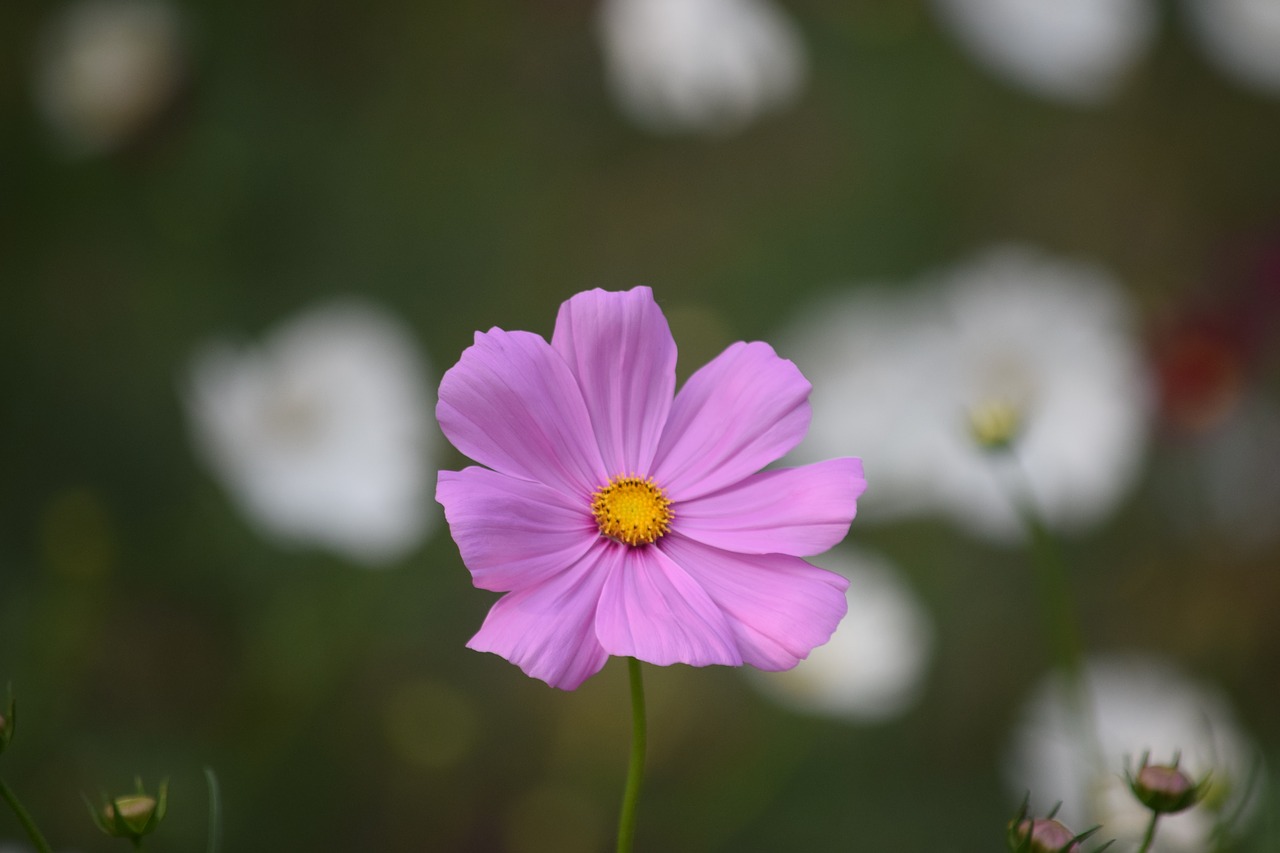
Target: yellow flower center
632 510
995 424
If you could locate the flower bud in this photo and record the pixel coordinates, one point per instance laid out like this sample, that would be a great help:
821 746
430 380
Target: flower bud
1045 834
133 815
1042 835
1166 789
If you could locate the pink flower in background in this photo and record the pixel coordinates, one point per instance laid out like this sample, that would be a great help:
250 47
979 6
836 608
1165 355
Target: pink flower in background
621 518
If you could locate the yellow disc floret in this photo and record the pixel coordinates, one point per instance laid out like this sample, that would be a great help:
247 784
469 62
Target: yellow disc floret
632 510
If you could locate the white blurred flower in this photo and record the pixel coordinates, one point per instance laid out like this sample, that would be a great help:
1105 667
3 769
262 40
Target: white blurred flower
1242 37
873 667
703 66
1139 705
898 376
1072 50
107 69
322 433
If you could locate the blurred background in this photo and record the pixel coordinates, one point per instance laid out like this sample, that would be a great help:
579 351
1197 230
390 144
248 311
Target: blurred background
238 247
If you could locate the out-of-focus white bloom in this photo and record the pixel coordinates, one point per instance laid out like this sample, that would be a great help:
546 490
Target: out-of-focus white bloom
107 69
1139 705
322 433
1072 50
707 66
898 377
1242 37
873 667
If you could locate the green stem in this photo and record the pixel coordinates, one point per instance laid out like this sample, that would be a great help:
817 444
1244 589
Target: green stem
1055 595
28 824
1151 833
635 769
215 811
1058 606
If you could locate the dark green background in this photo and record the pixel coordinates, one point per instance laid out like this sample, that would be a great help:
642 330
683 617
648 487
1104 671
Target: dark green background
462 164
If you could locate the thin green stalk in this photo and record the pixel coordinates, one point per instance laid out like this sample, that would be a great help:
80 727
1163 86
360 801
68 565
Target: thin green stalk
1058 606
1055 595
215 811
28 824
1151 833
635 769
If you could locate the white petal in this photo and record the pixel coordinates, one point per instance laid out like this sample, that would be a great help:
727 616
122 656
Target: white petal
321 434
1139 704
1072 50
707 66
873 666
107 68
896 376
1242 37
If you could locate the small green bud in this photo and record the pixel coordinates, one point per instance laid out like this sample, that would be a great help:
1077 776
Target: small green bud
133 815
135 812
1165 789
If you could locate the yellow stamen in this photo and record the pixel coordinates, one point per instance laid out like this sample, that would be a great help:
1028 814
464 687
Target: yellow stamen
995 424
632 510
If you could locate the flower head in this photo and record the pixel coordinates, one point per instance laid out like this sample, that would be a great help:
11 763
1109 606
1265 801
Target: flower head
1042 835
108 69
705 66
133 815
321 433
621 518
1013 349
1166 788
1070 50
1242 37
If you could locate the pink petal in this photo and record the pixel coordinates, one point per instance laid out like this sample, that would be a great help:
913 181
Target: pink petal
620 348
513 533
743 410
548 630
779 607
798 511
652 610
512 403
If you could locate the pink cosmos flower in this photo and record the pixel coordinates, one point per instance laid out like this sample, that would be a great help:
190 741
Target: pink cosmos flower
621 518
